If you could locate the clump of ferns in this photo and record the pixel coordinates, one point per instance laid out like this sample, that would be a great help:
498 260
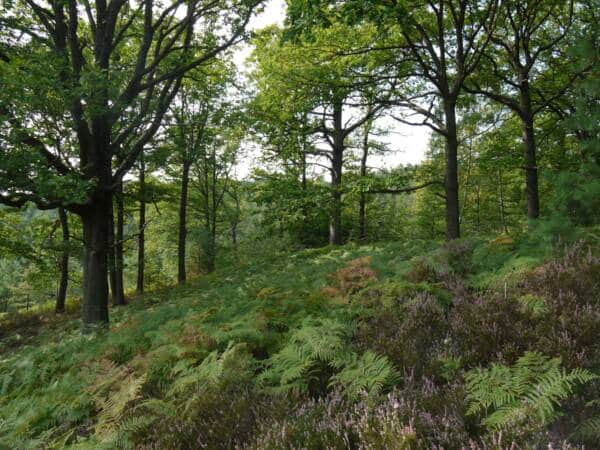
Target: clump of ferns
317 357
525 397
183 402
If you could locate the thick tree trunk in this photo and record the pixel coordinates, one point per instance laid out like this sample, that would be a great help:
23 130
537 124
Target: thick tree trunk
530 158
110 252
337 161
119 293
61 294
451 176
96 221
185 180
141 257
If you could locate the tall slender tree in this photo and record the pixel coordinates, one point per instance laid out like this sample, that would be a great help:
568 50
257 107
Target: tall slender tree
518 64
444 39
198 108
336 95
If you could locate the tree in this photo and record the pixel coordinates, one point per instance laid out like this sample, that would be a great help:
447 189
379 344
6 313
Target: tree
212 176
518 64
90 67
197 112
445 40
61 294
335 96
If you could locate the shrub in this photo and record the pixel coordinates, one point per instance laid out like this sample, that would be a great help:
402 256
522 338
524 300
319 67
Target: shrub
410 333
570 289
488 327
451 261
355 276
400 420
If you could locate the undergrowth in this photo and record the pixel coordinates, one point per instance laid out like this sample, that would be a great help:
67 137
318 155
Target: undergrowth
384 347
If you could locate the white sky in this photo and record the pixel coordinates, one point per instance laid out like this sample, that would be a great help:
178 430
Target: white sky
409 143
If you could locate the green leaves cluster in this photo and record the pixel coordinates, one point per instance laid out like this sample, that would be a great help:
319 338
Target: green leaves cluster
528 392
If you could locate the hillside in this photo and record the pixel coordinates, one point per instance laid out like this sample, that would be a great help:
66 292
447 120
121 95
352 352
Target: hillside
355 347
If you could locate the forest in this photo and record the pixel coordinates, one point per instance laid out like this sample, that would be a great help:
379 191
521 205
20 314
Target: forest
310 224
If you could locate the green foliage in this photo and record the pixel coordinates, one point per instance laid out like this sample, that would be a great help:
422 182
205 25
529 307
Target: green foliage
589 430
529 392
229 356
370 373
318 351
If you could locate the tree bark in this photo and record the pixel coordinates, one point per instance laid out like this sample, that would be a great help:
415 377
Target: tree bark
362 201
211 218
61 295
141 256
119 293
95 220
185 180
337 160
110 254
530 158
451 176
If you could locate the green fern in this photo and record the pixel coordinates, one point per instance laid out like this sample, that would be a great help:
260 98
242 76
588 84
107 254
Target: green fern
316 344
589 429
531 390
322 345
534 304
234 365
368 373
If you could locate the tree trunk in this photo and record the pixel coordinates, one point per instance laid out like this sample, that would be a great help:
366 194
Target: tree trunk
211 251
96 221
303 177
501 195
141 257
112 259
451 177
362 201
61 295
185 180
119 293
531 172
211 217
335 220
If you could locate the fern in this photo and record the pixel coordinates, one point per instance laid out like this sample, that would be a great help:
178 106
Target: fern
368 373
234 365
321 345
534 304
532 389
316 344
113 408
588 430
